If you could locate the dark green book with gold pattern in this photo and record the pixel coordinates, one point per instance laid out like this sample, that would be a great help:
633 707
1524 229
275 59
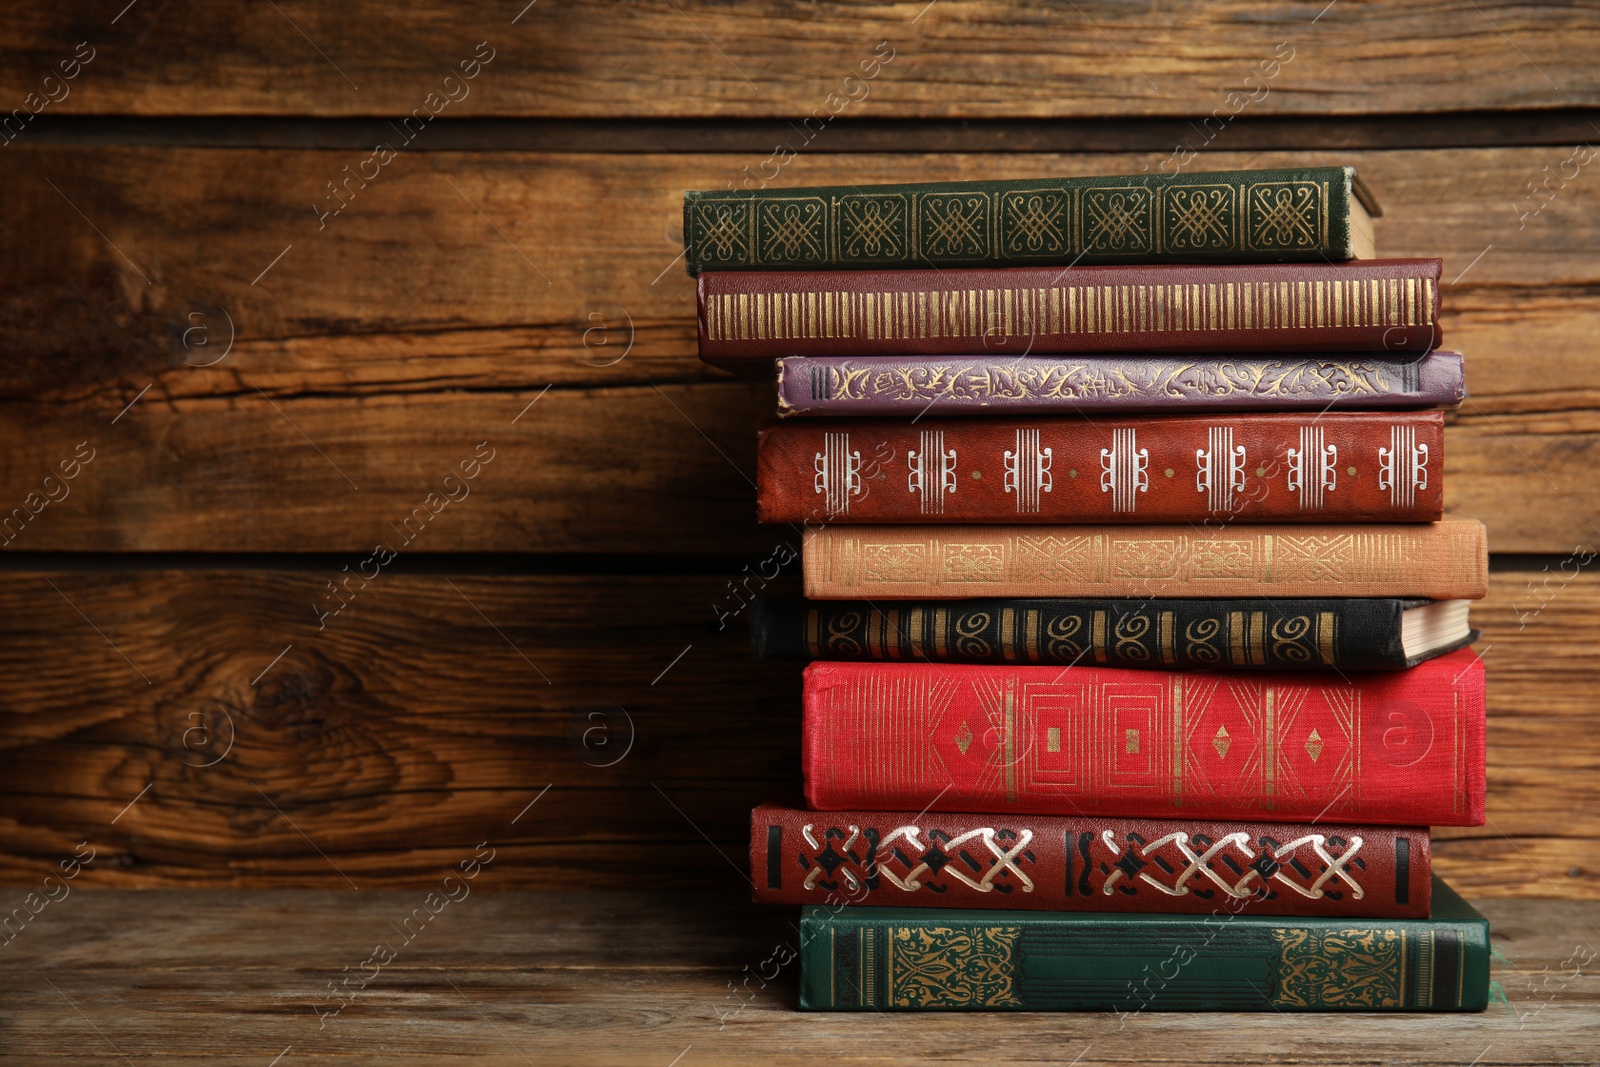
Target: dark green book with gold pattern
1310 214
888 959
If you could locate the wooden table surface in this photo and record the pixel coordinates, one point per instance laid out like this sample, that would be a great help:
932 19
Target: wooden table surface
243 977
260 345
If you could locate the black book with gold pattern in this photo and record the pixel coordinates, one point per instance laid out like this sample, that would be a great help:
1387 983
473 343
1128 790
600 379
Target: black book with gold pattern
1273 634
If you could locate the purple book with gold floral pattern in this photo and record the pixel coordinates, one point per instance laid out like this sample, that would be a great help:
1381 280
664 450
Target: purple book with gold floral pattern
981 385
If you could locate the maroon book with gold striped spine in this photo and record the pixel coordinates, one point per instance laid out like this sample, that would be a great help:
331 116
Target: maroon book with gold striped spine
1383 306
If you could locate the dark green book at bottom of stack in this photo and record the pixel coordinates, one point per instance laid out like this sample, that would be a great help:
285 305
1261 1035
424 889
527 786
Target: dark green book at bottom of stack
920 960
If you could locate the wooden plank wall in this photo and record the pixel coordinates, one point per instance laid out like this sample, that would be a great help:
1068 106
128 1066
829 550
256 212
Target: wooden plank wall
250 392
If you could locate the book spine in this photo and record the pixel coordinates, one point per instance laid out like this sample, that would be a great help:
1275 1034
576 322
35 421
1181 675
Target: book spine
1375 307
1446 560
1341 633
1040 863
1397 748
1251 216
1046 385
952 960
1330 468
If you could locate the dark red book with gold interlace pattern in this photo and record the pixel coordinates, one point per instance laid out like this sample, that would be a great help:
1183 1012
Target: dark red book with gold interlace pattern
1087 863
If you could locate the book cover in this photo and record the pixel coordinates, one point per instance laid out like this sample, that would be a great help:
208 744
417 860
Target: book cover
1342 633
1131 384
1446 560
893 959
1312 214
1397 748
1084 863
1270 467
1384 307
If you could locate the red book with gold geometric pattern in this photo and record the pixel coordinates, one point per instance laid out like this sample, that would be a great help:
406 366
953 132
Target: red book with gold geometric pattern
1403 748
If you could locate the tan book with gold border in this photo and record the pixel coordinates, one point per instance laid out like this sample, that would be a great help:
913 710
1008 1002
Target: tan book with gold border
1442 561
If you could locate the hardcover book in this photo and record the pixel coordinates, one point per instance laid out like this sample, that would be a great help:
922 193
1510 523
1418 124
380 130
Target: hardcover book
1312 214
893 959
1446 560
1397 748
1381 307
1275 634
1083 863
1046 385
1329 468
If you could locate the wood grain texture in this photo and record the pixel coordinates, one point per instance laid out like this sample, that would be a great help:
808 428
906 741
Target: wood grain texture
253 378
746 137
954 58
410 289
259 474
411 327
410 727
637 978
344 474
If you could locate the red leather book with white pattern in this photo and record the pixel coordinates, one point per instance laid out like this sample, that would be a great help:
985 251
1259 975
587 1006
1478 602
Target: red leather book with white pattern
1307 468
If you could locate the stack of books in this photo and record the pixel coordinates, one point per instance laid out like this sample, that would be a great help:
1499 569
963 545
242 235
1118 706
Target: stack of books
1140 647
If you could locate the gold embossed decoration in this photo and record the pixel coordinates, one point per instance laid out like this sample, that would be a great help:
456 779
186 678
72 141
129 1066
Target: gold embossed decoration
1285 216
726 225
955 225
1118 221
1060 632
1054 559
1129 633
1417 558
1201 218
1216 557
1340 968
872 228
1199 636
841 634
1082 305
1313 745
1035 223
1313 559
974 562
941 967
1138 558
1053 379
1291 639
969 634
792 232
894 563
